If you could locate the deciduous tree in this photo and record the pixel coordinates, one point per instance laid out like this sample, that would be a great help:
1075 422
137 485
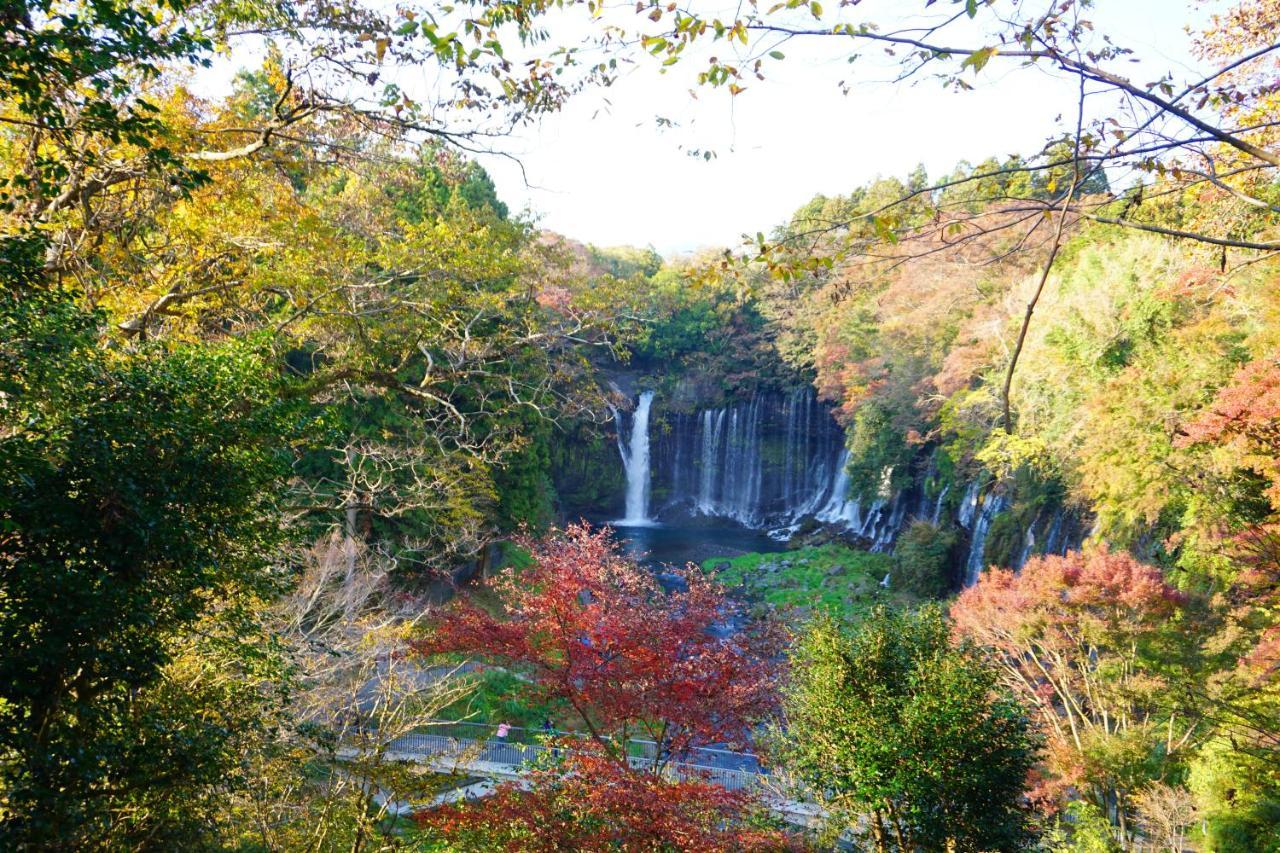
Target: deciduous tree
906 738
596 631
1091 642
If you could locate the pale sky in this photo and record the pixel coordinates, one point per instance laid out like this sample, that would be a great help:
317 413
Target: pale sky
603 172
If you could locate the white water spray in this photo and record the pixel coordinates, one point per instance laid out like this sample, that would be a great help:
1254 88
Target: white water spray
635 462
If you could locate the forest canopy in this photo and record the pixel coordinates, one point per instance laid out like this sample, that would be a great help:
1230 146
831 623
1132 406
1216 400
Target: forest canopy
298 419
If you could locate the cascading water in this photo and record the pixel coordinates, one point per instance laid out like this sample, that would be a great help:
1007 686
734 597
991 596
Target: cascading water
880 522
1057 534
936 517
767 463
980 518
635 462
1056 542
773 461
708 460
839 508
763 463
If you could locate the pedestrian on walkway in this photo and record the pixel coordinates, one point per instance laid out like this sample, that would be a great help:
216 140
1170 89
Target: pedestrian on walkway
503 731
547 732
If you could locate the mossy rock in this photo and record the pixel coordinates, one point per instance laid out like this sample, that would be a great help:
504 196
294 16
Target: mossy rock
833 576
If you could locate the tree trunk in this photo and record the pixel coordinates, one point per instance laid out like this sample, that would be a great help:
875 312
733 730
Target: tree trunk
877 831
353 518
898 834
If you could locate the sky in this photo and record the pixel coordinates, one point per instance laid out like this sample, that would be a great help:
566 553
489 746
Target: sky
603 171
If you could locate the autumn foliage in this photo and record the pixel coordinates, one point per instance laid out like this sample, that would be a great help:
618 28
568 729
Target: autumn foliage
1239 432
1245 418
1078 638
598 632
592 803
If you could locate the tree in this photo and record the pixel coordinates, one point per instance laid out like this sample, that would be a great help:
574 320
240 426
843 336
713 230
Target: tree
1165 814
591 803
906 738
920 559
1231 447
596 632
83 82
314 782
69 71
413 311
137 521
1092 643
160 356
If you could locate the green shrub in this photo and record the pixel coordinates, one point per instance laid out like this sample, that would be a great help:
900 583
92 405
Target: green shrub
922 559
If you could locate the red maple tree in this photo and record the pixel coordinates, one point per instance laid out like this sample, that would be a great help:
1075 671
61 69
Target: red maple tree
590 802
594 629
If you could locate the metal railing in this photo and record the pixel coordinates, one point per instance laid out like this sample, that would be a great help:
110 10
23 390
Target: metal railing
516 755
637 748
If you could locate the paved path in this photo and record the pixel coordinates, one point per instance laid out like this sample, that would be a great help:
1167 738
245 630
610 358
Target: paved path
506 760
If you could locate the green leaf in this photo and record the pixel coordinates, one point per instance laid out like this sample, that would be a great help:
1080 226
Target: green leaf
777 54
978 59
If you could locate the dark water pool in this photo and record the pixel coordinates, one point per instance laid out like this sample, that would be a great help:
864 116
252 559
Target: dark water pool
662 545
676 544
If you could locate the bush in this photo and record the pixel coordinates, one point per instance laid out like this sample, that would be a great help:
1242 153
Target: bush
922 558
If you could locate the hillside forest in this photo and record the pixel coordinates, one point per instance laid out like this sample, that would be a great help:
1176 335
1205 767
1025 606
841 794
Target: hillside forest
314 451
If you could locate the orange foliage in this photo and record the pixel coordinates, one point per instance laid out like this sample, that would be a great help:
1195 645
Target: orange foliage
1070 634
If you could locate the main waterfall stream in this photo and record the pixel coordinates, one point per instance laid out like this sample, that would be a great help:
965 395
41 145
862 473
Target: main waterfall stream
635 462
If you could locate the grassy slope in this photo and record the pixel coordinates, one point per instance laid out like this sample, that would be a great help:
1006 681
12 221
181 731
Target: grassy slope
835 577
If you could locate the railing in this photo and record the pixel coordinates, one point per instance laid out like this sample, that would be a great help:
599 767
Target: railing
637 748
473 752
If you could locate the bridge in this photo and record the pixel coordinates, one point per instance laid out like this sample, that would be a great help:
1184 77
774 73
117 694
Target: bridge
475 749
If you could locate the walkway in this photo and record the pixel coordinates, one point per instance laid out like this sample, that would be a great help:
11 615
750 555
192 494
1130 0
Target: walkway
472 748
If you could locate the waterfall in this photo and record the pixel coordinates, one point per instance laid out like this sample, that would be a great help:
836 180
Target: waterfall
937 507
635 462
709 460
878 523
1055 542
762 463
839 509
744 466
773 461
768 463
1057 535
980 518
969 505
1028 543
789 461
